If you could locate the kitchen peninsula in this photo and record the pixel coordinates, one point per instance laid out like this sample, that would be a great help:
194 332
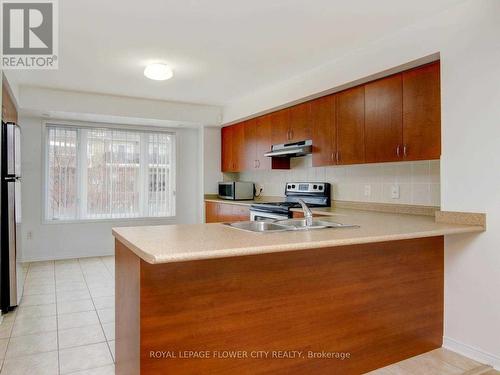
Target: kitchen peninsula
356 298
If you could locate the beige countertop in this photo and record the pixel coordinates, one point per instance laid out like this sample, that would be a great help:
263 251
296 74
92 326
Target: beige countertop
178 243
245 202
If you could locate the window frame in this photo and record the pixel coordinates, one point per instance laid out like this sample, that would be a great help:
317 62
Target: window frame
74 125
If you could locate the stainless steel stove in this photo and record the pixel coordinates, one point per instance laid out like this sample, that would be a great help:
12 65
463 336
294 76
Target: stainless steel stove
315 194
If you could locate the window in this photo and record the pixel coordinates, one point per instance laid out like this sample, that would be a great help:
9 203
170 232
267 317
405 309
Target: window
107 173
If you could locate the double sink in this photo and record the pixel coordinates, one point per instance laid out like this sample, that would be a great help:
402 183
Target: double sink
286 225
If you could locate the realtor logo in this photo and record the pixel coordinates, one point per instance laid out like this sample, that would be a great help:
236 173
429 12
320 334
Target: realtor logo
29 34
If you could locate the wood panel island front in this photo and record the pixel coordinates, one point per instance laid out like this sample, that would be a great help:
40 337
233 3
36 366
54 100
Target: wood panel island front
209 299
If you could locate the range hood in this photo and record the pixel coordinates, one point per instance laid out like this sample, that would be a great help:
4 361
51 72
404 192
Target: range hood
290 150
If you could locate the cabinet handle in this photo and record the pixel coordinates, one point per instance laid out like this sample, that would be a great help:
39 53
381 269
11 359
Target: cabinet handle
405 149
398 151
332 158
258 163
291 134
337 156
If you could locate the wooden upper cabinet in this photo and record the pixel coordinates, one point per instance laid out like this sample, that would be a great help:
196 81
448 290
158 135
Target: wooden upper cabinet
238 147
280 121
391 119
244 145
323 131
249 161
299 122
291 124
350 122
384 119
422 113
233 147
227 149
257 141
263 138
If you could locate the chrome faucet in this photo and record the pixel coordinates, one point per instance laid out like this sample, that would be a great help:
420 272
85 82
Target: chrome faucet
307 213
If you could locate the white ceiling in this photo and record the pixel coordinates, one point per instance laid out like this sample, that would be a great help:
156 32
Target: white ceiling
220 50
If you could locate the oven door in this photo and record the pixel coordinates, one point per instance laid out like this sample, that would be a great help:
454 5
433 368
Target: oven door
266 216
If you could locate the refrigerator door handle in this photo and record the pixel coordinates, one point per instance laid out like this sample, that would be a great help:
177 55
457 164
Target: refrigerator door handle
10 149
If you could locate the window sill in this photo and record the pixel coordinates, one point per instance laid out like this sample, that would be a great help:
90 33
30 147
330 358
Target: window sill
113 220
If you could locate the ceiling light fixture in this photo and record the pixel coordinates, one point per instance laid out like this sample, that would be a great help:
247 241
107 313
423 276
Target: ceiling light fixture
158 72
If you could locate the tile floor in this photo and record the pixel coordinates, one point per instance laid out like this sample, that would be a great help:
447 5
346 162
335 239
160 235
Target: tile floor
65 325
437 362
65 322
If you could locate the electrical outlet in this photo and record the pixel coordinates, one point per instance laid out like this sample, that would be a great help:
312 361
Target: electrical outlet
368 190
395 191
29 235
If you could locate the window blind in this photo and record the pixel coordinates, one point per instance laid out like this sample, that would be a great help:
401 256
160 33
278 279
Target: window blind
108 173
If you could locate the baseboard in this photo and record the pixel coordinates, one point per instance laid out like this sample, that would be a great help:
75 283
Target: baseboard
74 256
472 352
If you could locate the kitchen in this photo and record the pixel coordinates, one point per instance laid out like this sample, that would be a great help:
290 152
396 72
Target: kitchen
314 200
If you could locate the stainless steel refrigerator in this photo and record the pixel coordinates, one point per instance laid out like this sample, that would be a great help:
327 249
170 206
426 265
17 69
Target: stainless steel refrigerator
10 280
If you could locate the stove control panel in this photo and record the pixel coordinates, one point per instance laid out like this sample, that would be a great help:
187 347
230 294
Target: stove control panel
306 187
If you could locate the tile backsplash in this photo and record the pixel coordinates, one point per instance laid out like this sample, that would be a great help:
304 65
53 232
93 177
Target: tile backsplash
418 181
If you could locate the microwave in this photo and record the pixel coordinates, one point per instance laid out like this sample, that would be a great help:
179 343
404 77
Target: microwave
235 190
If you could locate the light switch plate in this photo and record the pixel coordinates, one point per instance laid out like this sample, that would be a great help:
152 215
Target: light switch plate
368 190
395 191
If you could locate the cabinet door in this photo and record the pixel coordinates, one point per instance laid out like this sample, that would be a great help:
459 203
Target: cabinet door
228 212
384 119
225 213
227 149
323 131
241 213
238 147
422 113
280 126
250 146
350 115
300 122
211 212
263 138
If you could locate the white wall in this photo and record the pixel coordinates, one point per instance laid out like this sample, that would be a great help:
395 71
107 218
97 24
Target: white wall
56 241
467 38
111 108
211 159
471 176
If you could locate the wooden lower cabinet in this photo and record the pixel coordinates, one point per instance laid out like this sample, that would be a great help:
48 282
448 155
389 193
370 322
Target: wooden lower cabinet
379 302
216 212
211 212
